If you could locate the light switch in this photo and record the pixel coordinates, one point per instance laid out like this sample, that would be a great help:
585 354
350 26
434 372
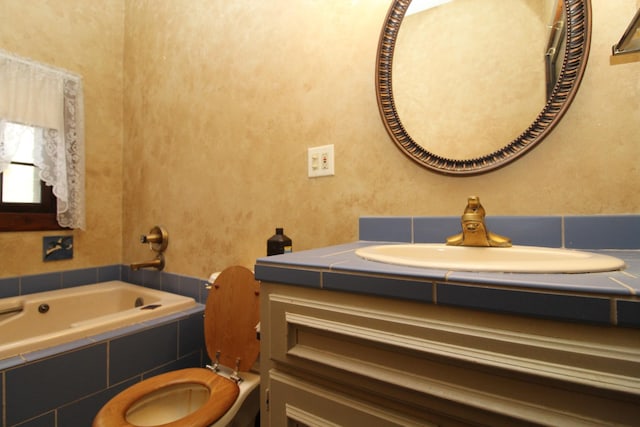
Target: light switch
321 161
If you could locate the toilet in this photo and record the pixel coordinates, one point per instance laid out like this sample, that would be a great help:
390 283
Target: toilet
225 394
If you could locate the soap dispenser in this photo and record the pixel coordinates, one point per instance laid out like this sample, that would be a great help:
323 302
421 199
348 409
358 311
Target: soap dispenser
278 243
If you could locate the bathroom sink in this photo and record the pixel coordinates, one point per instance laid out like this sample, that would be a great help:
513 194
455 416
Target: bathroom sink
515 259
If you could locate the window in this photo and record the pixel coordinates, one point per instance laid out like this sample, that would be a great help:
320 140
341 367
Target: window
26 202
41 146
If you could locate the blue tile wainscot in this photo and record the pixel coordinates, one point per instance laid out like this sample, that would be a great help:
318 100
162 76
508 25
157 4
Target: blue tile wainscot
66 385
563 347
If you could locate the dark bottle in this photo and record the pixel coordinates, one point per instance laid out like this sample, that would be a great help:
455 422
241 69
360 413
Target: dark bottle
278 243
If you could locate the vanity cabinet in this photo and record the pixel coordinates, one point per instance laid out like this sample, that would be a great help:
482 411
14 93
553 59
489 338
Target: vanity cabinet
337 358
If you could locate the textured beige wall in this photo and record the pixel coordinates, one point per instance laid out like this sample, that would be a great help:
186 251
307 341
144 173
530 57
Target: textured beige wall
222 99
84 37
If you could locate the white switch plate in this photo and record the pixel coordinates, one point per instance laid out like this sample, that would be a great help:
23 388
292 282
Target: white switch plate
321 161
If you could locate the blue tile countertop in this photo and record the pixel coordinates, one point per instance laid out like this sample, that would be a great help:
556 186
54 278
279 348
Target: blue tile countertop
608 298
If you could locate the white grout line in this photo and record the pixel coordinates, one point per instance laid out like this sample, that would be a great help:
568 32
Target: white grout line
633 291
626 273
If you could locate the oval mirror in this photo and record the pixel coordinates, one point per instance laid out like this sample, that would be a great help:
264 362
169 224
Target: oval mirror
467 86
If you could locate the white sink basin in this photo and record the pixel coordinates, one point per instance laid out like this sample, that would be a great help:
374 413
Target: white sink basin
516 259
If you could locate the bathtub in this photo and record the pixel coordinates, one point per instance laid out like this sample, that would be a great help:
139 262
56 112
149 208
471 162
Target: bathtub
36 321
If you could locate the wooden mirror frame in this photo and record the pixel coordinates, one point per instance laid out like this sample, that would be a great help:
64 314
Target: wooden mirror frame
578 39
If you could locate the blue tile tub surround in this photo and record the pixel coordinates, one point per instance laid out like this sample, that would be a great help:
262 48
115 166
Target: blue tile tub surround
576 232
178 284
9 287
40 283
46 420
142 351
40 387
133 353
71 385
33 283
79 277
81 412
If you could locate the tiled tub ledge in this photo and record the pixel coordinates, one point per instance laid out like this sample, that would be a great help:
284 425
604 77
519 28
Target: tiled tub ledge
72 381
33 356
607 298
169 282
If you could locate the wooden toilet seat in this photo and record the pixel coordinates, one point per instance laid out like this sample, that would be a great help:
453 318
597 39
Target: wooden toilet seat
222 394
231 314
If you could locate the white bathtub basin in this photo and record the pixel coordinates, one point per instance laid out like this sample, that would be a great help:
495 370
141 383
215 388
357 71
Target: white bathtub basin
516 259
35 321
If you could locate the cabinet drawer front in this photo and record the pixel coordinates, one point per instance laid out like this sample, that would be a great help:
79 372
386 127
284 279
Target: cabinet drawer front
296 402
450 364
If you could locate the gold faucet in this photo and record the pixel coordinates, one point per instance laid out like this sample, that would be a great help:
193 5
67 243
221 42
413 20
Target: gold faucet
474 230
157 263
158 239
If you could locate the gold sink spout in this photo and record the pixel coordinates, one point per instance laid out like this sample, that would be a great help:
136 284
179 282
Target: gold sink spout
474 229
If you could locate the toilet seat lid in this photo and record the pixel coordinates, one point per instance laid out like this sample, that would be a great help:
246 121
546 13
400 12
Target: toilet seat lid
231 315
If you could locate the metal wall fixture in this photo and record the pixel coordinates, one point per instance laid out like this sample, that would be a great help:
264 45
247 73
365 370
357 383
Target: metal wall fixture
158 240
57 247
630 40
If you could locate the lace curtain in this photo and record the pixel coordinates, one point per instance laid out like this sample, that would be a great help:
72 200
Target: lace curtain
50 100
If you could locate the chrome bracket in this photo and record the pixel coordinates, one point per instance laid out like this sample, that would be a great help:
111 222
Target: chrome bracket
216 364
234 376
